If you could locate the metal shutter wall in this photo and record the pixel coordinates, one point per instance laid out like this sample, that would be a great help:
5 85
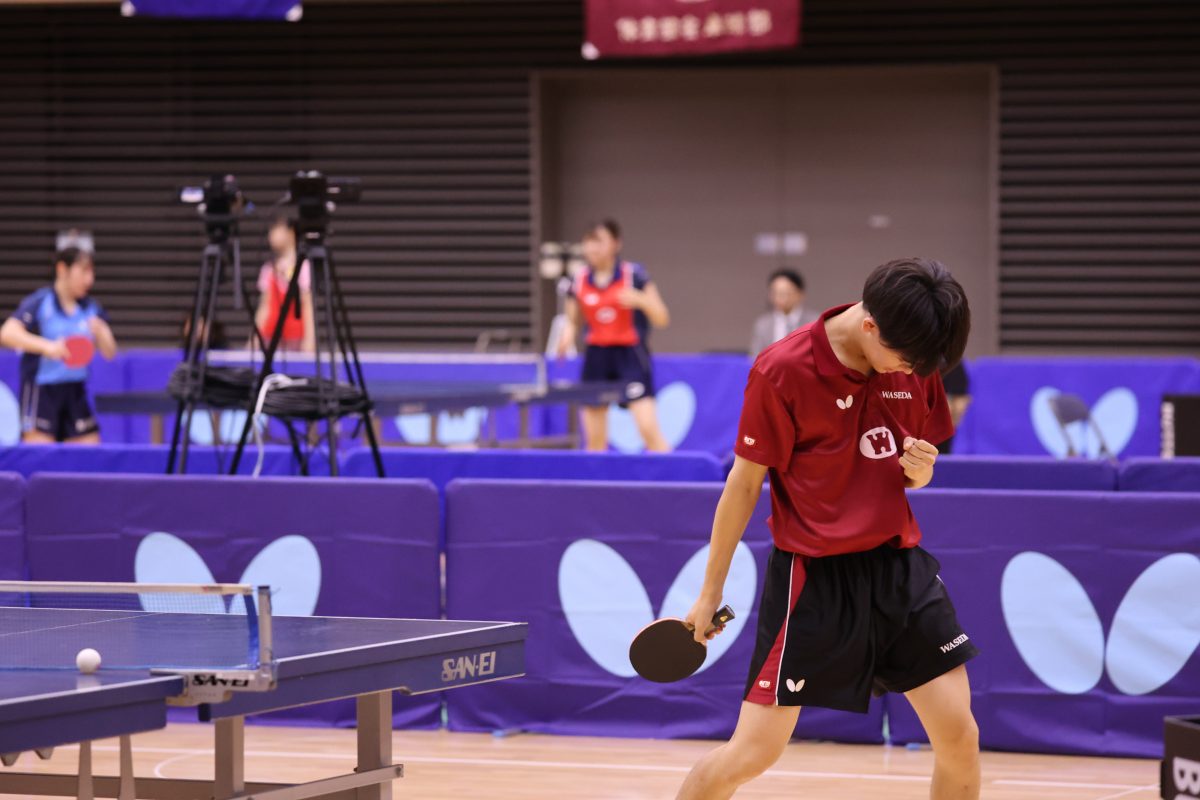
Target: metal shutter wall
101 117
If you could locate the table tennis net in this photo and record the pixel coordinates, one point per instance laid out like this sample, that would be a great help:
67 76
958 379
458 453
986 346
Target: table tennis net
43 626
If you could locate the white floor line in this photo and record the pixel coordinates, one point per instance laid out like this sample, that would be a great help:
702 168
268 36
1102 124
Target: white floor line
1128 792
523 763
158 768
1066 784
1121 788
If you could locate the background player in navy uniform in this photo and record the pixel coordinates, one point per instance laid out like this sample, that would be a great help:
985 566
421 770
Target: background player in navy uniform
616 303
54 402
840 416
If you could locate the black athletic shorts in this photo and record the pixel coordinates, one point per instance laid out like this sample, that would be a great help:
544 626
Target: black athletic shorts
630 365
833 630
60 410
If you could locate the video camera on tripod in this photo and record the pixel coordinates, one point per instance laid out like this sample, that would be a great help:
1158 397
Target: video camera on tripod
316 196
220 202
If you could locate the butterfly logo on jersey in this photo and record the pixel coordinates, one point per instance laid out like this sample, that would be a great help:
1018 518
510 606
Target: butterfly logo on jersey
845 404
606 603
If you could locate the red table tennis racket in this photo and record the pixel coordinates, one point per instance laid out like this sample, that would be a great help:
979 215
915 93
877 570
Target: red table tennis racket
79 351
666 651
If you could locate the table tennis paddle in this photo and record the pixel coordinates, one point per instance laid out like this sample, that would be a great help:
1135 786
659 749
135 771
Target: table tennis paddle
666 650
79 351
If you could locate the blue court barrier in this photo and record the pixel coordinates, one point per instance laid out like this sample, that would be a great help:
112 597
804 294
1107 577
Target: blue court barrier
1034 473
1159 475
12 527
1010 410
1086 607
700 397
333 548
588 565
144 459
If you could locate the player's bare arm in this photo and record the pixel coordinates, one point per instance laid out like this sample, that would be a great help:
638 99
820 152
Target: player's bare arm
740 496
16 336
106 343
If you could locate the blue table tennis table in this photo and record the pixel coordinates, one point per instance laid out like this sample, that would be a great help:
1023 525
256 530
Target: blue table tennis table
316 659
392 398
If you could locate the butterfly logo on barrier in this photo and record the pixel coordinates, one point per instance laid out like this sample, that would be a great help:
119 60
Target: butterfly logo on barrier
1115 414
10 417
606 604
226 427
676 412
453 427
1059 635
290 565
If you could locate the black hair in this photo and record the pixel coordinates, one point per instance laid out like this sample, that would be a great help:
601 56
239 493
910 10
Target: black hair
793 277
69 256
921 311
608 224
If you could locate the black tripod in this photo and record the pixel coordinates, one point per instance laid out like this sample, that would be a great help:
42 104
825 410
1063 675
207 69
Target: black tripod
222 205
335 337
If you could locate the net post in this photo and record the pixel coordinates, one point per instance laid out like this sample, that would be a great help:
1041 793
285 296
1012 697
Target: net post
266 646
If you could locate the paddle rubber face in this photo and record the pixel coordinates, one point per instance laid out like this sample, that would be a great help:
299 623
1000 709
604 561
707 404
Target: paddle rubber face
666 651
79 351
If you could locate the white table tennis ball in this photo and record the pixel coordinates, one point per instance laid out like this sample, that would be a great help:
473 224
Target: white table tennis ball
88 661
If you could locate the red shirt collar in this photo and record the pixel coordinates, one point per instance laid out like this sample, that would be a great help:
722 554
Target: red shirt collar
826 360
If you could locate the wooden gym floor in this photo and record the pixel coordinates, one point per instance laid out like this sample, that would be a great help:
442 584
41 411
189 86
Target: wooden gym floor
447 766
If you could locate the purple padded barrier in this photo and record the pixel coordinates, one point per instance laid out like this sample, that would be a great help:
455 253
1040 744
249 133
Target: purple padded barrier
331 547
147 459
1038 578
442 466
12 527
606 556
1031 473
1159 475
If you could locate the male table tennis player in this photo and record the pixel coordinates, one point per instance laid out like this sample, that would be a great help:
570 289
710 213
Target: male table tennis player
840 414
54 401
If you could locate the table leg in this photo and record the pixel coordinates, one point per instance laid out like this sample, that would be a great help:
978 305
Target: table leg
229 757
126 788
156 429
523 434
374 741
85 789
573 425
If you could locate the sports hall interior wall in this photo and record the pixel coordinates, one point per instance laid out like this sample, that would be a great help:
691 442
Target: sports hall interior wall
102 118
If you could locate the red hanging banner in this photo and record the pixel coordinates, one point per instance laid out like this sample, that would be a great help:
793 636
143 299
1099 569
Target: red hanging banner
689 27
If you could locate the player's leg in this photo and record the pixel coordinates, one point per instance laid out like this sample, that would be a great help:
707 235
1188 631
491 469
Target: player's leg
944 706
78 423
645 416
761 735
595 428
37 423
597 367
637 370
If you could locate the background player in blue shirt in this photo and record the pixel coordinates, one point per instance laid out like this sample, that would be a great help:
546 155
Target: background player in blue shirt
54 402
